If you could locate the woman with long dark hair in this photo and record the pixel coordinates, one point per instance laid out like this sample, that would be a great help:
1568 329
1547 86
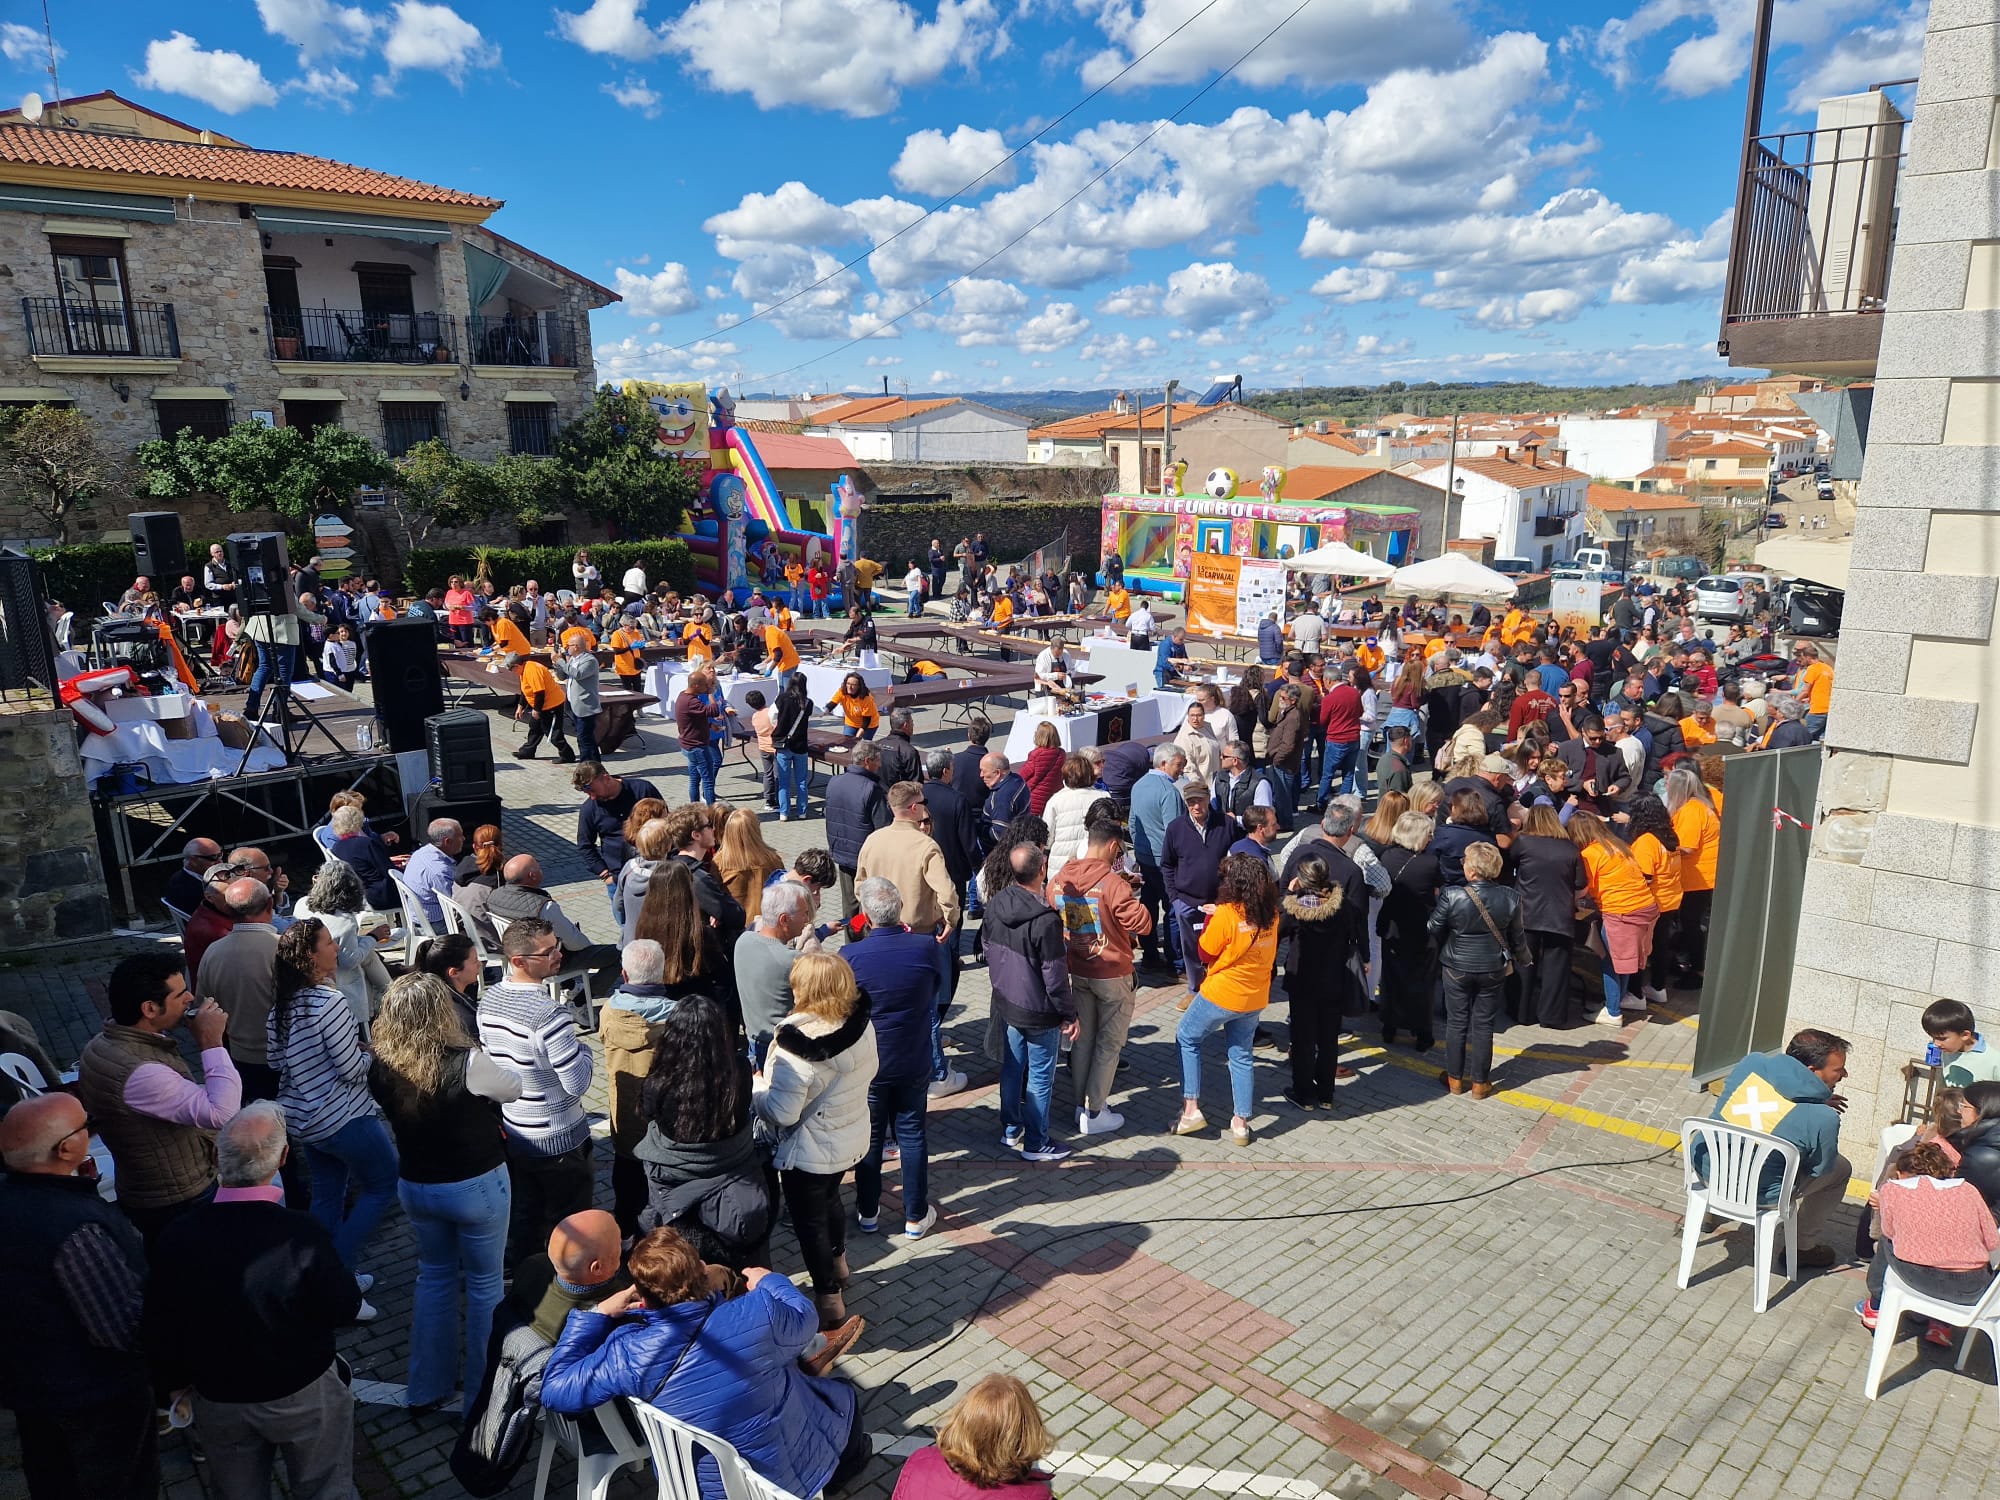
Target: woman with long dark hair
1549 875
672 918
1315 979
705 1175
1239 946
442 1096
454 958
791 720
315 1046
1621 887
1650 831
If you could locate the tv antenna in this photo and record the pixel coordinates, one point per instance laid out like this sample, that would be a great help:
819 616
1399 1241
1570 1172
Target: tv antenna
49 35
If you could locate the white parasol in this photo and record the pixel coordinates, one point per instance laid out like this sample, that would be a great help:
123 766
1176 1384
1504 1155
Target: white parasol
1452 576
1340 560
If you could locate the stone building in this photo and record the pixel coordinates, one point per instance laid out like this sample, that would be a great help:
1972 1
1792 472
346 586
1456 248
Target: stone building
1902 893
163 277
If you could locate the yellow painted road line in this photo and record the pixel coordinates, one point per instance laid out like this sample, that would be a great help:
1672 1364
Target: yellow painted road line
1597 1120
1550 1054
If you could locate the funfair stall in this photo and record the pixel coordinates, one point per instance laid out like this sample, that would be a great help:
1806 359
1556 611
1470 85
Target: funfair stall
1157 537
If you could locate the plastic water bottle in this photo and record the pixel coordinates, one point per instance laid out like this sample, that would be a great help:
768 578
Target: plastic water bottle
364 736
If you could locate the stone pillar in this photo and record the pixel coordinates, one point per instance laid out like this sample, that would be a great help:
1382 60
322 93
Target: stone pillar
1902 894
51 879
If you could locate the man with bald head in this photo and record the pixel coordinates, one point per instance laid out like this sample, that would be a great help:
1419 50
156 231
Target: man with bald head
521 895
70 1362
585 1264
210 922
185 886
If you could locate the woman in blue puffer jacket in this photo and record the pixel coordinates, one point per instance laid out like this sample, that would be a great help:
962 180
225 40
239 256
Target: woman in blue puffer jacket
726 1365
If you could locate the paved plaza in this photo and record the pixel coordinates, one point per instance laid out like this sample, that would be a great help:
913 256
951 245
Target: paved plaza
1415 1295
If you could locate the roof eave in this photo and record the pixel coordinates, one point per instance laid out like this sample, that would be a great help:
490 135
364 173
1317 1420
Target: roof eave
36 175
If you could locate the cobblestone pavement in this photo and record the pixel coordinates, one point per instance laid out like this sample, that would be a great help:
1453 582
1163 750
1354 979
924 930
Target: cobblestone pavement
1415 1295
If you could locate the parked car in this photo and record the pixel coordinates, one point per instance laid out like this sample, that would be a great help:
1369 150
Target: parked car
1719 598
1592 559
1775 519
1513 567
1682 568
1813 609
1825 488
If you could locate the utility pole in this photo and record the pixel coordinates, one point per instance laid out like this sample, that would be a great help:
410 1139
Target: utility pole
1167 435
1450 475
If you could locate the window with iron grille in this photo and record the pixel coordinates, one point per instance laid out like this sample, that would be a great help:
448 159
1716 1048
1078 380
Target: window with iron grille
209 419
310 416
531 428
408 423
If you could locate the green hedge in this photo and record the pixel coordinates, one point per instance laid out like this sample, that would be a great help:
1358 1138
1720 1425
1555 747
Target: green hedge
92 573
428 568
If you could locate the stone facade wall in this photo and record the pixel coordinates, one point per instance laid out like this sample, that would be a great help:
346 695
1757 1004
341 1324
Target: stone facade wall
990 484
1902 895
209 264
51 880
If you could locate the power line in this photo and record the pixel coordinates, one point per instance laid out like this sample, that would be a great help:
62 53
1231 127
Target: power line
943 203
966 274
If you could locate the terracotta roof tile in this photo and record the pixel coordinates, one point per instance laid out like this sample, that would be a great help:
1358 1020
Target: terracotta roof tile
1317 481
1514 472
225 166
1731 448
1609 497
1336 440
876 411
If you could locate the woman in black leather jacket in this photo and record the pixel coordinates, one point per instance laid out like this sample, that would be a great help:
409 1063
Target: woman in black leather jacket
1475 962
1978 1144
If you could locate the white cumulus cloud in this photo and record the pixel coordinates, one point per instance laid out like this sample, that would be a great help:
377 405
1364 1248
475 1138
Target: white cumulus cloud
327 85
437 39
1351 284
318 28
227 81
634 93
1140 301
1680 270
1056 326
1351 42
1206 293
666 292
25 46
937 164
613 28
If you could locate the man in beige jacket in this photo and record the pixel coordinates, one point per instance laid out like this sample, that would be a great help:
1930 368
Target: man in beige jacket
903 853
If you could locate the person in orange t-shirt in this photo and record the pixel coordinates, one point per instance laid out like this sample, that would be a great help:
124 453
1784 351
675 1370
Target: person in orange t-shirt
1815 681
1698 728
542 700
1621 883
784 655
626 662
1003 612
508 637
1240 948
1698 823
700 640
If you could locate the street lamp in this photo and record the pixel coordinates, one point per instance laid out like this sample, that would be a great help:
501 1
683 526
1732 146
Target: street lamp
1628 529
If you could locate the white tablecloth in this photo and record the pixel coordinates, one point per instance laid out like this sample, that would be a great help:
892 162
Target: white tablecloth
666 681
822 681
1118 664
1156 713
170 762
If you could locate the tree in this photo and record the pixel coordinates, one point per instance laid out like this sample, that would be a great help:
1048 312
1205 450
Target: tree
606 465
433 486
254 467
529 489
51 455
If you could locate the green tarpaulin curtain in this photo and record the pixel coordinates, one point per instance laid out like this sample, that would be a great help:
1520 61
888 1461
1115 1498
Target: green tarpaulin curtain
484 271
1767 815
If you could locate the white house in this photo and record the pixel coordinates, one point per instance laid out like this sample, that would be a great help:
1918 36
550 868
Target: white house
896 430
1530 506
1614 447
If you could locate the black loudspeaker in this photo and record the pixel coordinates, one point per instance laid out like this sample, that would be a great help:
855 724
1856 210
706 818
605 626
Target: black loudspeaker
157 549
404 673
259 561
461 749
469 813
1114 724
27 645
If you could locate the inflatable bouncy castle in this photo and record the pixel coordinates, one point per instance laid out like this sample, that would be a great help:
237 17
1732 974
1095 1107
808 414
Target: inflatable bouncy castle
742 529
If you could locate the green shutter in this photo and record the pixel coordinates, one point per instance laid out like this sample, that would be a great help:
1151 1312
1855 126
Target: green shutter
59 202
333 221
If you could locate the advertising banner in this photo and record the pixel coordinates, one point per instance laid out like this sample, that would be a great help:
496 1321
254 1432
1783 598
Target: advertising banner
1211 592
1577 603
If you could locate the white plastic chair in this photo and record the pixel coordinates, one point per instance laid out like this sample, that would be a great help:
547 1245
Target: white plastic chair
594 1471
1892 1137
1898 1300
458 919
1736 1159
675 1447
416 922
27 1077
558 980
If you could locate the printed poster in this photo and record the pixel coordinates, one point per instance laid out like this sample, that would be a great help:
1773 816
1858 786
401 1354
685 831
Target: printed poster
1212 579
1577 603
1260 589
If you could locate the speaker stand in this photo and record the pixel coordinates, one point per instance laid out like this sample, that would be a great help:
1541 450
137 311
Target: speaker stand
292 735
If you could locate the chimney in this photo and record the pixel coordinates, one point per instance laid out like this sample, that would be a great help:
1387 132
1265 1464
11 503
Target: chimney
1505 453
1559 457
1382 446
1298 429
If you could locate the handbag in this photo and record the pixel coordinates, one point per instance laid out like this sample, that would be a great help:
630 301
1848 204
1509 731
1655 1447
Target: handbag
675 1366
1487 917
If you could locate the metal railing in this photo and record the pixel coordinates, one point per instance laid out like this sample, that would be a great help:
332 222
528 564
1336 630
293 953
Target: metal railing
1815 223
542 338
137 330
326 333
1551 525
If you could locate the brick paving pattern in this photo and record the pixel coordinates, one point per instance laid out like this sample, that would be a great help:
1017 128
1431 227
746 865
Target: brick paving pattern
1304 1316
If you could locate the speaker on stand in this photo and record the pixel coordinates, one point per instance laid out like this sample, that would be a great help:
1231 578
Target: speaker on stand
158 551
461 753
260 563
408 683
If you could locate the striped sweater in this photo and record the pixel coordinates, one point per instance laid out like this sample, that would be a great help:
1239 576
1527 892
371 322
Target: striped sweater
322 1071
525 1031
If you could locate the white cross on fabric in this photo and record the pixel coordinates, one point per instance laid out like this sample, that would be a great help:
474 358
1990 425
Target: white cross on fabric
1751 1107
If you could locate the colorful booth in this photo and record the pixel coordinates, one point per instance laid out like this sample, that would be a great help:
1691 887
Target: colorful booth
741 517
1157 536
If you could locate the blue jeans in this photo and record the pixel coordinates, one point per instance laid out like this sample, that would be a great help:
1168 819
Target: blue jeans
1816 726
273 663
1238 1028
794 780
898 1107
916 604
1614 986
1028 1082
585 730
1288 789
1338 769
461 1230
703 762
360 1151
851 730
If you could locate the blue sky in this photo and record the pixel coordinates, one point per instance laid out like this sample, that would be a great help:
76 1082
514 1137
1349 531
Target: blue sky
1387 189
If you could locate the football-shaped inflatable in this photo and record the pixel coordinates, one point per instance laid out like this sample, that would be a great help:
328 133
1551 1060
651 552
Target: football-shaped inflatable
1220 484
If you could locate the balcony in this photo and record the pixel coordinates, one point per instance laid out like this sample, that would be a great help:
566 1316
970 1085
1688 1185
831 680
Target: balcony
1814 238
341 335
113 330
1552 525
547 339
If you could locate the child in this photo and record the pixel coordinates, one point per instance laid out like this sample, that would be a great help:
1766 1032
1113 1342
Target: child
1954 1031
342 658
765 723
1946 1232
1948 1114
987 1446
